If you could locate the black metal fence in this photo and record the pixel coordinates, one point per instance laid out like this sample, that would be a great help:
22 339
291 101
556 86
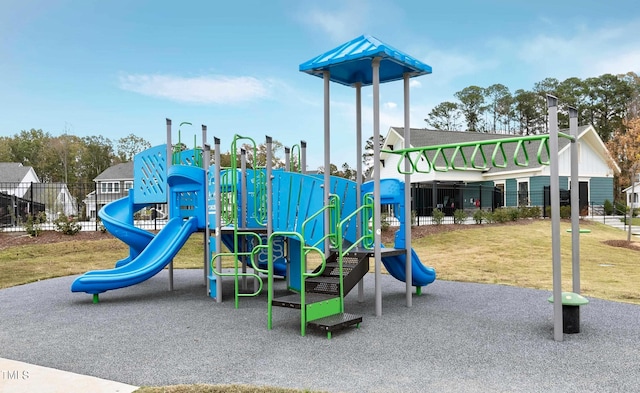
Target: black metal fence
81 201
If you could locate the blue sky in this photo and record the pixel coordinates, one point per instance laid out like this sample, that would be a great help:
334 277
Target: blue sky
118 67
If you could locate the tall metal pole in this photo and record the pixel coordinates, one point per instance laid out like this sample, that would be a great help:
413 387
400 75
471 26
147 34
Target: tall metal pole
243 212
218 207
206 162
287 152
358 87
327 157
269 188
377 254
170 200
207 230
407 192
552 103
575 201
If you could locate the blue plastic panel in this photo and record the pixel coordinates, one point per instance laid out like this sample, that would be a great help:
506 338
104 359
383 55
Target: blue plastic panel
150 176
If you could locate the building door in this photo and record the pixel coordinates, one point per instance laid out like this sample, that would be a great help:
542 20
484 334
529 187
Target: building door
498 196
583 197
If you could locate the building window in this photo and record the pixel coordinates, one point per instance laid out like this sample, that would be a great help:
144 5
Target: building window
523 193
128 184
110 187
500 195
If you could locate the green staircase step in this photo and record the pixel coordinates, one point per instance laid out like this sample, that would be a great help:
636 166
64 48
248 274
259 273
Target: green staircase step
336 322
293 300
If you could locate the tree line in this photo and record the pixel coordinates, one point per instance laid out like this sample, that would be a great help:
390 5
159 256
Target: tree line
611 103
605 102
68 158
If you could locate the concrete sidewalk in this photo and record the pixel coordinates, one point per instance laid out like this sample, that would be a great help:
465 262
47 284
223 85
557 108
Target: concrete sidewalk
19 377
615 222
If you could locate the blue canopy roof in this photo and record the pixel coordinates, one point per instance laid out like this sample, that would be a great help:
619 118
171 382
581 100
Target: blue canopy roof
350 63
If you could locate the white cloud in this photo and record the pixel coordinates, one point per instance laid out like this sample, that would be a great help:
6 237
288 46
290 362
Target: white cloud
415 84
339 20
452 65
390 105
202 89
585 51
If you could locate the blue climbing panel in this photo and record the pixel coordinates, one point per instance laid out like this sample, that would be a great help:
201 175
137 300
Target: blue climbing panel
150 176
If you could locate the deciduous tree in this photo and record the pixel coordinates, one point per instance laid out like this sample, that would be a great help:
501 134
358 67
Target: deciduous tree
444 116
472 106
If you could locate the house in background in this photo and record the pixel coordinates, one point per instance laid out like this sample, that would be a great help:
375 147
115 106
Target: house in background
632 198
112 184
512 185
22 193
15 179
55 197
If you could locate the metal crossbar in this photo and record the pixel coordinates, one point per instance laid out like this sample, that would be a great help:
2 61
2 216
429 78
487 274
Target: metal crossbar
421 162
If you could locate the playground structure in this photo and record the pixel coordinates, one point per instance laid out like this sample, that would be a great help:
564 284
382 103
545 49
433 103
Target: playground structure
272 220
268 220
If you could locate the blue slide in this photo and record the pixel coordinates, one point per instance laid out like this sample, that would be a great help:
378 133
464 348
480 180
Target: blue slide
421 275
392 193
160 251
117 218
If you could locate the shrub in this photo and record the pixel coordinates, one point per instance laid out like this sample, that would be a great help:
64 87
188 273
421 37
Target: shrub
67 225
619 208
438 216
501 215
33 226
608 207
530 212
488 216
101 226
478 216
565 211
459 216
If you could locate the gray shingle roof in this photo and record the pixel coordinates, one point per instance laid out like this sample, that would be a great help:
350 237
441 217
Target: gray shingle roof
123 171
427 137
13 172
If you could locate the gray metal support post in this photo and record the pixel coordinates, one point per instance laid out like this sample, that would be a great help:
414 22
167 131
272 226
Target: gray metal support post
407 192
303 157
206 163
358 87
575 201
169 202
287 162
552 103
377 233
218 208
327 156
269 178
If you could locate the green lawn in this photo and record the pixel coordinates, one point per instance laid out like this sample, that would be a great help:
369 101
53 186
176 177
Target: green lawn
518 255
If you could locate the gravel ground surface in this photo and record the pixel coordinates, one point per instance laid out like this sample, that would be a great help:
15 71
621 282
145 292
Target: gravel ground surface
457 337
